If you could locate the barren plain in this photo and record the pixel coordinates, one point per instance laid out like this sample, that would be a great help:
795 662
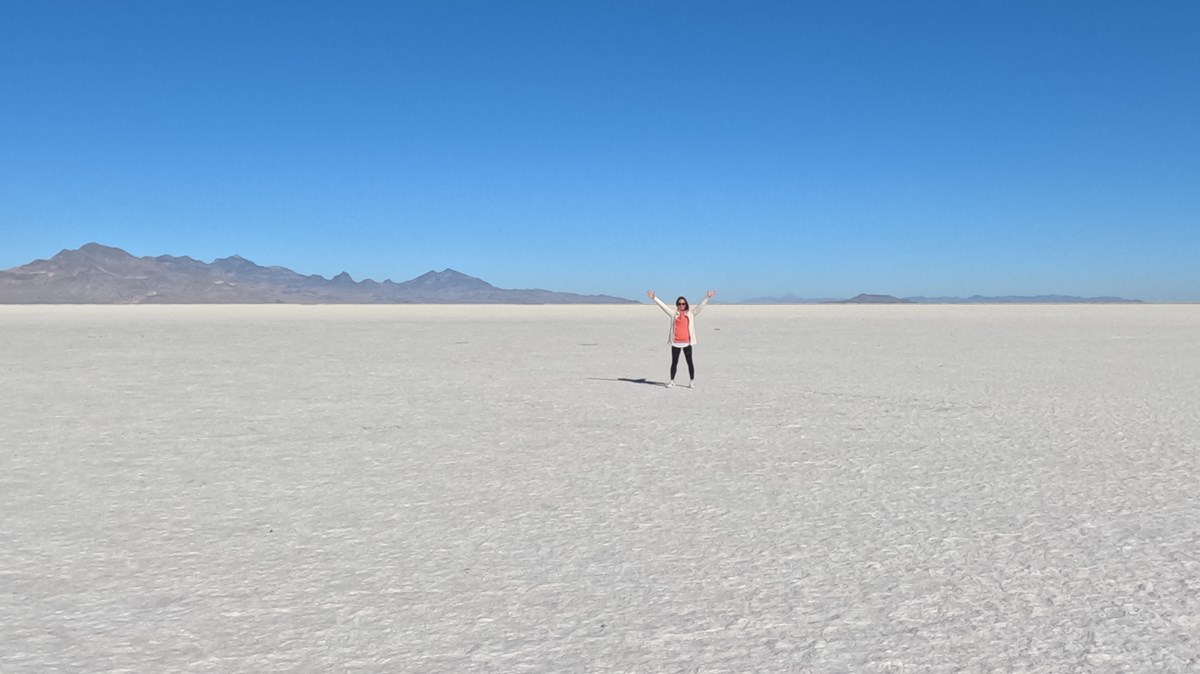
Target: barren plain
511 489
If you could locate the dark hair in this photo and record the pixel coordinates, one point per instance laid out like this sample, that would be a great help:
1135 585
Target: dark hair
686 304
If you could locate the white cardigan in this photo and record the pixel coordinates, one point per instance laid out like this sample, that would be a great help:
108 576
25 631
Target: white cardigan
691 319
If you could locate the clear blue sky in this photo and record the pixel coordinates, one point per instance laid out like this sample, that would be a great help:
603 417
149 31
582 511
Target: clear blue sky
759 148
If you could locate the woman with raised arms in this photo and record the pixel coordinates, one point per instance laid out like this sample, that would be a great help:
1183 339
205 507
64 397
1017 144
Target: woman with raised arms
683 332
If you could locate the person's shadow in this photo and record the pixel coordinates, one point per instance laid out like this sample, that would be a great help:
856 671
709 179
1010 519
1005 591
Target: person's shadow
628 380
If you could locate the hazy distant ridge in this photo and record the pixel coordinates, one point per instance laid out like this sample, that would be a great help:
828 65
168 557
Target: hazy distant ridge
974 299
1024 299
96 274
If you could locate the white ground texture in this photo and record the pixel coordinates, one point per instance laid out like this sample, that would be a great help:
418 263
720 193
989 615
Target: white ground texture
494 489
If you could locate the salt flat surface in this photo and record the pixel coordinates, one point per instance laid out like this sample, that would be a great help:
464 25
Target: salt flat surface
494 489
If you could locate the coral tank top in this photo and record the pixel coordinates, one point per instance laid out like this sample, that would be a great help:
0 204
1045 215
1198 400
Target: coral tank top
681 329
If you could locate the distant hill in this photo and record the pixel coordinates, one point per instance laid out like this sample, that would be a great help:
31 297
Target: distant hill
785 299
872 299
96 274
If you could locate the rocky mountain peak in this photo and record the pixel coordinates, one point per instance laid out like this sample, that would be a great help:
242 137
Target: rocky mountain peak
448 279
91 253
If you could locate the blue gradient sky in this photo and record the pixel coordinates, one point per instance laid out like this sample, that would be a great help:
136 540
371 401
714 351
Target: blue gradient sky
760 148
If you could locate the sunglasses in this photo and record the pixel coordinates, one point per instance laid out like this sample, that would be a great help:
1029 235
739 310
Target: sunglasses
681 304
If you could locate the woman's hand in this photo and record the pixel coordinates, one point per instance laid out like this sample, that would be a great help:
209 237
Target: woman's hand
650 294
711 293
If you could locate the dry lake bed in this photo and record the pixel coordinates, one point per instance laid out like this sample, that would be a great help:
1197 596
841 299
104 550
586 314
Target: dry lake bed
511 489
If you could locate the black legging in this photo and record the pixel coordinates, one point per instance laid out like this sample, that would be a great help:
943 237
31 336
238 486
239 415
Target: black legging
687 353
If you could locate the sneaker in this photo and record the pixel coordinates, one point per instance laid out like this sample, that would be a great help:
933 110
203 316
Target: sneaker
691 384
671 384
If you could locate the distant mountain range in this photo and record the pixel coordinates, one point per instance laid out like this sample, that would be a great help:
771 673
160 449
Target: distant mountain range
974 299
96 274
